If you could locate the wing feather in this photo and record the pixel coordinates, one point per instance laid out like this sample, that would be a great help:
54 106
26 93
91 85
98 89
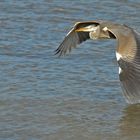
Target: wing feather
130 75
74 38
71 41
130 82
130 61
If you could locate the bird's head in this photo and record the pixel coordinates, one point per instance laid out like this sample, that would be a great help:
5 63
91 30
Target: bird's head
96 32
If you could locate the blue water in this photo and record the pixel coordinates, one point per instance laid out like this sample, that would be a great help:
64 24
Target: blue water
43 97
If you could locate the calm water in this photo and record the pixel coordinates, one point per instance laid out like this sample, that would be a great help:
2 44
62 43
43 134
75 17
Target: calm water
43 97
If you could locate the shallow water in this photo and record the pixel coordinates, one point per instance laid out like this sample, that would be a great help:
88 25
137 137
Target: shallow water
43 97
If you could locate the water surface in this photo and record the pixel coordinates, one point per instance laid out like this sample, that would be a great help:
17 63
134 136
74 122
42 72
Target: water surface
43 97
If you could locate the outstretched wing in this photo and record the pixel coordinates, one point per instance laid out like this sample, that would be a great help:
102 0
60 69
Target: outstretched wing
129 62
130 75
73 38
130 81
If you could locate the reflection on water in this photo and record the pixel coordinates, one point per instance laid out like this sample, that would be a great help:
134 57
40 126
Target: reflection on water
43 97
130 122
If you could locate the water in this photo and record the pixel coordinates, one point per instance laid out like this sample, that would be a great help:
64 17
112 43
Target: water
43 97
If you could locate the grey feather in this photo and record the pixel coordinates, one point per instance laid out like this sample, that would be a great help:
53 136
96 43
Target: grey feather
72 39
130 76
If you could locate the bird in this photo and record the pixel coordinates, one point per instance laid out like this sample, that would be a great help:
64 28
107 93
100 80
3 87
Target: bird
127 50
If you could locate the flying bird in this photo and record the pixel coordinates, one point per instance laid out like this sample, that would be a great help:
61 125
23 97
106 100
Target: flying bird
127 50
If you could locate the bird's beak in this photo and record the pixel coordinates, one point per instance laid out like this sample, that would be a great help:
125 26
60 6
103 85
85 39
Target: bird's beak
83 29
89 28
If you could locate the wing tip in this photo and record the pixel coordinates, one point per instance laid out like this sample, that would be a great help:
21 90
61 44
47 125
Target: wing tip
59 52
132 100
130 97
